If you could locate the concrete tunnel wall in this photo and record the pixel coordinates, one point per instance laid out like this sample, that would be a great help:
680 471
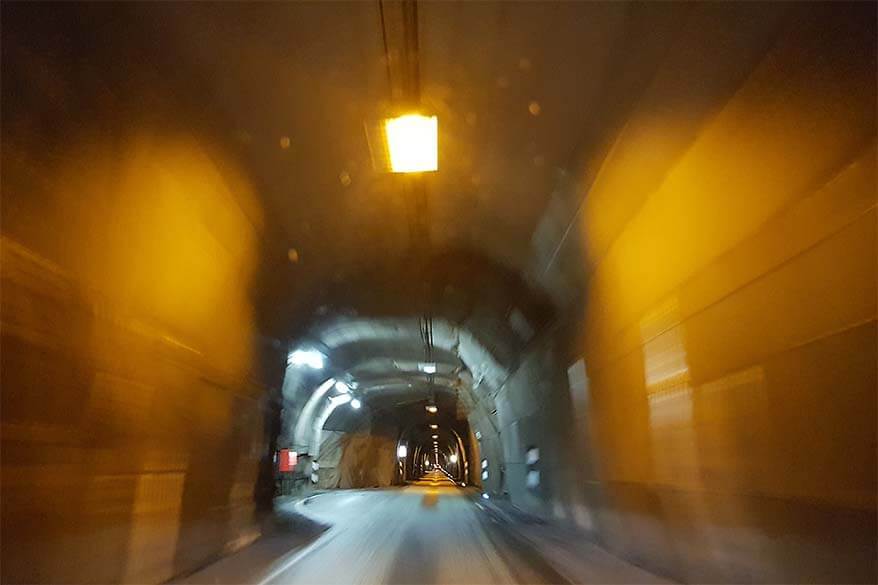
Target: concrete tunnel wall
134 411
722 369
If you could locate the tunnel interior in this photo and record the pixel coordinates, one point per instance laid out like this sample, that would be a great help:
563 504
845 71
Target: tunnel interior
428 357
637 300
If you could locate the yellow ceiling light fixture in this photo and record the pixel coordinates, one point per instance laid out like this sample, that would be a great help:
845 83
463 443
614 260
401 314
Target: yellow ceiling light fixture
413 143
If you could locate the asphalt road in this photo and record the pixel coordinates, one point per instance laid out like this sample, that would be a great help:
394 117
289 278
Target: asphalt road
428 532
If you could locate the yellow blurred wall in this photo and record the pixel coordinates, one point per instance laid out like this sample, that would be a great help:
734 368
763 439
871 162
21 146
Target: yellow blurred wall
131 409
730 328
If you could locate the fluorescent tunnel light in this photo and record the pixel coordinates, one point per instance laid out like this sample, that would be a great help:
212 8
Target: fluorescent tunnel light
306 357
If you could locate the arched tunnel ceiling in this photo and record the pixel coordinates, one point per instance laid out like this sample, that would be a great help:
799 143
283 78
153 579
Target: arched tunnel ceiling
528 94
499 75
370 329
381 356
534 99
539 105
520 89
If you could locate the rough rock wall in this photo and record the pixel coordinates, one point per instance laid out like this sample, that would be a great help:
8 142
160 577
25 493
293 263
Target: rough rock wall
367 461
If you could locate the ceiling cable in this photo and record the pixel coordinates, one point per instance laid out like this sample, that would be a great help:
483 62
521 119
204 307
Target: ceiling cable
414 190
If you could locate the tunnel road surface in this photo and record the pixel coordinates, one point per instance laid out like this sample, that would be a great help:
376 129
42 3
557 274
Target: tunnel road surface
427 532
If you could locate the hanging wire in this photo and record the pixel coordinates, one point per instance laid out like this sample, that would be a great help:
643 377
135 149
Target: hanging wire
415 190
386 49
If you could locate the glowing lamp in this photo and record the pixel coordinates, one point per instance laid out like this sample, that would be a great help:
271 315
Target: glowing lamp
427 368
340 399
306 357
412 142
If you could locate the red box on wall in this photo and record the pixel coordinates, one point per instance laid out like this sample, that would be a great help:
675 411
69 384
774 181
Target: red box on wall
287 459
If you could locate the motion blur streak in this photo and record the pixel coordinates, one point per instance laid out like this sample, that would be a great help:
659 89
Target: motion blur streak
123 355
624 330
131 422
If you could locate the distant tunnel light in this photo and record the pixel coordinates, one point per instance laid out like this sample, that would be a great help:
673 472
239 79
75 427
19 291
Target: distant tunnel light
431 409
435 436
341 399
306 357
428 368
402 451
356 404
453 458
412 141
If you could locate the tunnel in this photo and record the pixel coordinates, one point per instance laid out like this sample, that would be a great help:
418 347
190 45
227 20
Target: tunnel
613 320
